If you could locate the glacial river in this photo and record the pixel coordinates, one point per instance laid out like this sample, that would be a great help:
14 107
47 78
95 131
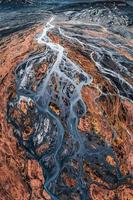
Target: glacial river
84 48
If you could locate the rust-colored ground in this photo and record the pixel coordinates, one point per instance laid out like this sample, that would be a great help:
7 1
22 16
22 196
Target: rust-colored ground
22 179
105 114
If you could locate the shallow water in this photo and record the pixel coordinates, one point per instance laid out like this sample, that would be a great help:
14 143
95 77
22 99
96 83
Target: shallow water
49 93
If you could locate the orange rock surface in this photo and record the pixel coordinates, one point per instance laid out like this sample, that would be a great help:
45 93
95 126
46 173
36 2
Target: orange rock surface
22 179
105 114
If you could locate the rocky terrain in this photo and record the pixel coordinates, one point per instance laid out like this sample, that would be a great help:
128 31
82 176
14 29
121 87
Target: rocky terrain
35 2
66 110
19 178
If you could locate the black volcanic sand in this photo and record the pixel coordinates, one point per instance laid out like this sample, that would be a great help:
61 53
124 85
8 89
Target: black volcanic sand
81 48
17 17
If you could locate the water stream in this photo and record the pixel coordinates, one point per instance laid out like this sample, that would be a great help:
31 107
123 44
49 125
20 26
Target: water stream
52 104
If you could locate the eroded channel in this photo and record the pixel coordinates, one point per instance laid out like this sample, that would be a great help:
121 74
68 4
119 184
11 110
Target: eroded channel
47 108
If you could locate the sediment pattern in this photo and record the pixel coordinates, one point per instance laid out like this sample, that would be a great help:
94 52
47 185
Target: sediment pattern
20 178
72 110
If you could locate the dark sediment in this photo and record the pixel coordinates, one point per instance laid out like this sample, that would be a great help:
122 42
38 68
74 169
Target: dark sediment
68 97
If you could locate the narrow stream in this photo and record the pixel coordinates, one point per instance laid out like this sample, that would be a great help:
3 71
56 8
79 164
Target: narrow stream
48 102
